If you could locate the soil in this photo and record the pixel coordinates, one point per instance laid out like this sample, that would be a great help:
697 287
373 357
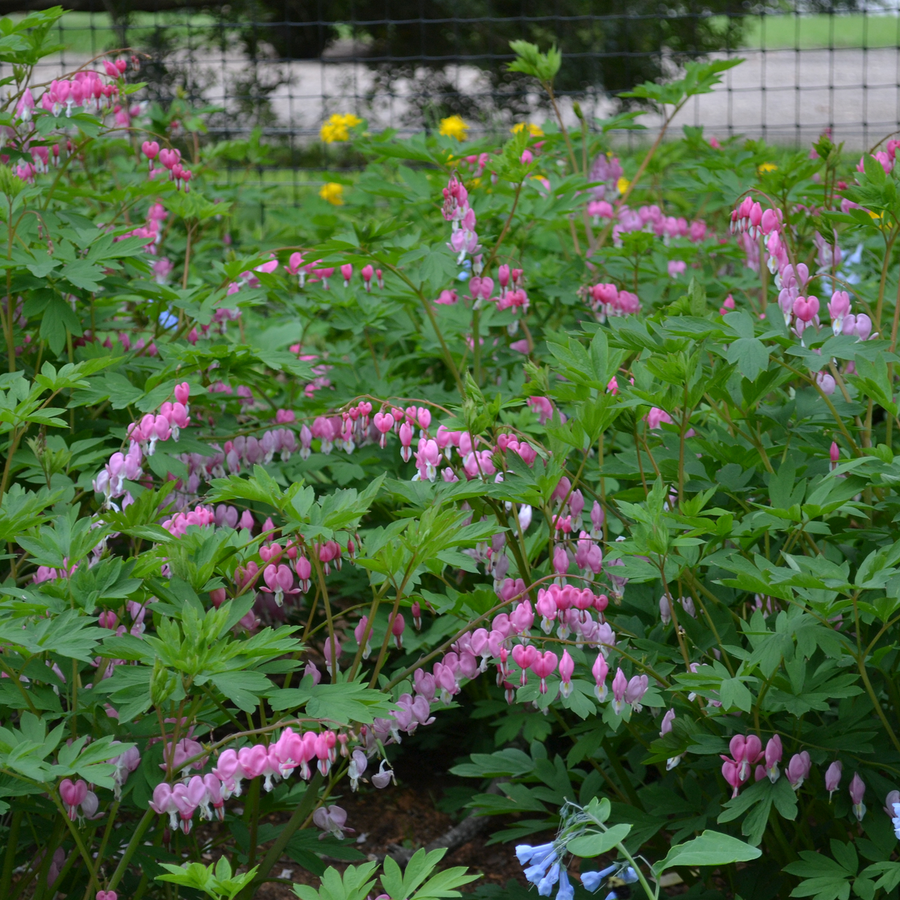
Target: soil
406 815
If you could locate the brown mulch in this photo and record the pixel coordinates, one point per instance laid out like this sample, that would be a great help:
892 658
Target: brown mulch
407 816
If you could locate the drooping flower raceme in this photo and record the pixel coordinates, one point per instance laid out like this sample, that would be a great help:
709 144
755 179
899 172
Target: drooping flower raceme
545 864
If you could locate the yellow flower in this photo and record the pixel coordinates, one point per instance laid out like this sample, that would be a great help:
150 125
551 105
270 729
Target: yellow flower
766 167
455 127
878 218
333 133
338 126
533 130
333 193
622 185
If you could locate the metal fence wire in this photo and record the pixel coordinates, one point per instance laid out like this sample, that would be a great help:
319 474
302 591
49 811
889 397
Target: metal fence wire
284 66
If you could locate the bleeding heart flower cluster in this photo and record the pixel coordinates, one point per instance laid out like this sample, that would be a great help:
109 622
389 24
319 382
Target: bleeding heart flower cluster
232 457
512 293
653 220
607 301
293 752
799 307
171 163
144 436
179 523
606 170
152 232
315 272
85 89
461 216
886 157
746 751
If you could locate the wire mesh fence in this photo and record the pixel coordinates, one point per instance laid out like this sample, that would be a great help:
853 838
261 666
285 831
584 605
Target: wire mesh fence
281 67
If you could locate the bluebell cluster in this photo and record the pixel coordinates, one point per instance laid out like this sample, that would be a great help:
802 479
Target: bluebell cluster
593 880
895 820
544 868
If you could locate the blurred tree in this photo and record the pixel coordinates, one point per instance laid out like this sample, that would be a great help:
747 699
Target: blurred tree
607 45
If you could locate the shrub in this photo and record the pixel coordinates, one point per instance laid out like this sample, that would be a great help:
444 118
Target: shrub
269 508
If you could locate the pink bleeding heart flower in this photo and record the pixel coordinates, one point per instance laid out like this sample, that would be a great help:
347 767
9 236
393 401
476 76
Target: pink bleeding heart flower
600 670
72 795
833 777
543 666
798 769
731 774
619 687
806 308
163 803
524 656
566 671
857 791
773 755
253 760
279 581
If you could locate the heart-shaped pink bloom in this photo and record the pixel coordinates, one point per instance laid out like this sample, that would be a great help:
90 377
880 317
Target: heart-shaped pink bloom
72 793
524 655
253 760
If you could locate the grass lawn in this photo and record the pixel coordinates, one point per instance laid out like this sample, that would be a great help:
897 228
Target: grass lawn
86 34
817 31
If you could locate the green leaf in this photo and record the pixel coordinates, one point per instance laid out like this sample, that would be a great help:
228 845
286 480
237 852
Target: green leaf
84 275
344 702
590 845
750 356
710 849
242 688
355 884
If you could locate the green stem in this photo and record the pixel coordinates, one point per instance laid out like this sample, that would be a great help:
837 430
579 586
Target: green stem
861 665
505 229
15 679
548 87
650 892
10 305
476 345
828 403
382 654
426 305
879 305
9 861
110 821
320 576
41 872
373 609
637 175
253 814
616 764
13 446
133 844
299 817
76 836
